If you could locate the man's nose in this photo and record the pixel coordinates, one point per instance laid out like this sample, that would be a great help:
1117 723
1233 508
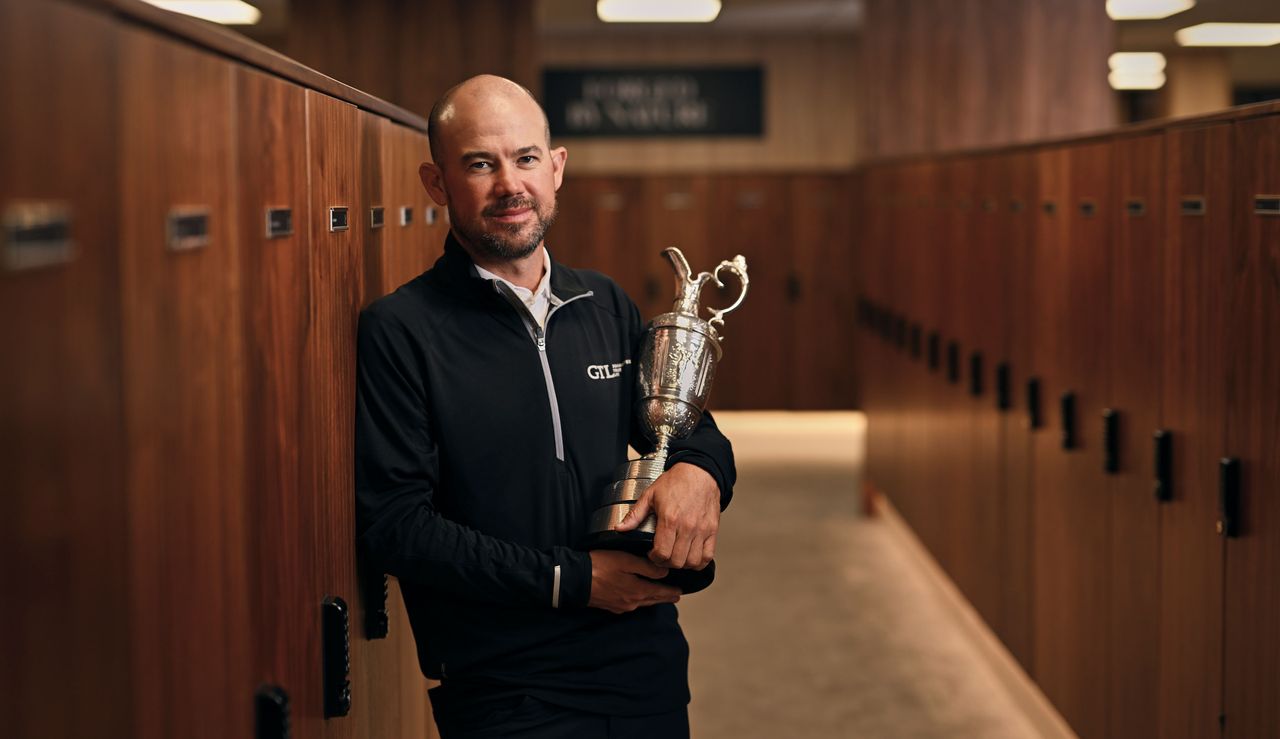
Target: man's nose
507 182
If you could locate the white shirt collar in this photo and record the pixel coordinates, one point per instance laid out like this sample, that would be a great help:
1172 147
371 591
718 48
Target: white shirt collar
538 301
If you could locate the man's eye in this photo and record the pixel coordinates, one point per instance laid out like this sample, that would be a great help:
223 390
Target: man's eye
527 159
479 166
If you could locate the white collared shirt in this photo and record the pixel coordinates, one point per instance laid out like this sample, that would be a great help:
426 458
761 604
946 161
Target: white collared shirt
538 301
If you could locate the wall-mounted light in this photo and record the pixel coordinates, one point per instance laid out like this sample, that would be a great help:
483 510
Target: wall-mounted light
226 12
1230 34
1136 70
1132 10
657 11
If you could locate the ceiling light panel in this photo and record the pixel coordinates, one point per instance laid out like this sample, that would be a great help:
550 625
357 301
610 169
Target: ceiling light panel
1230 34
657 11
1132 10
226 12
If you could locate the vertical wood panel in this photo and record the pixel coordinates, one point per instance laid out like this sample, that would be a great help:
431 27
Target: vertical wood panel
1197 277
64 533
183 389
336 288
1253 407
1135 356
271 143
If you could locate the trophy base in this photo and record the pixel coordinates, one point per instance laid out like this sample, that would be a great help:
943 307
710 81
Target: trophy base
639 543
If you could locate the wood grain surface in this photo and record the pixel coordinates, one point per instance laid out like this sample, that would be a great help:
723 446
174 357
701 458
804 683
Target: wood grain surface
183 395
1196 277
1135 355
64 536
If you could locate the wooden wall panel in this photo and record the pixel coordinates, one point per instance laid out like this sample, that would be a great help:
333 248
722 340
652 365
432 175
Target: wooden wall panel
64 533
270 116
1253 406
941 75
1196 277
183 390
750 213
1135 356
328 413
676 213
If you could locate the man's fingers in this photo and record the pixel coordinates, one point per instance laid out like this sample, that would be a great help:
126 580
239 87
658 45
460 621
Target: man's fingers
708 551
648 569
664 540
637 514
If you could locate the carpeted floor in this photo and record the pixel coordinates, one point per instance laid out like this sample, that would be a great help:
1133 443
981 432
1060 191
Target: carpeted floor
821 622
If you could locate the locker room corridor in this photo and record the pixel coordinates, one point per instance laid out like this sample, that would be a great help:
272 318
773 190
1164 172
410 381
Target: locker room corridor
826 623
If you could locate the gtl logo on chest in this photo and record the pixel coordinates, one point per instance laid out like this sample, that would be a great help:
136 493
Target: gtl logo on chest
606 371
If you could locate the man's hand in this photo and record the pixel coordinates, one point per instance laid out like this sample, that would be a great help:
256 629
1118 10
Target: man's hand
686 501
618 582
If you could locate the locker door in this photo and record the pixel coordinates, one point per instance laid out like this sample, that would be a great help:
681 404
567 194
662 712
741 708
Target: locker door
378 207
328 412
183 392
817 284
1135 354
1197 214
64 533
1253 433
1017 204
922 418
272 216
749 217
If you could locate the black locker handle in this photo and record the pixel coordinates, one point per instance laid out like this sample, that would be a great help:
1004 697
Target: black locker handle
793 287
1067 407
953 363
652 288
1035 419
1110 441
1164 465
271 713
975 374
336 656
1229 497
1003 401
935 350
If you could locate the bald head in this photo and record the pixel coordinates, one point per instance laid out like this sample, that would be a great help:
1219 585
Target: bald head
480 98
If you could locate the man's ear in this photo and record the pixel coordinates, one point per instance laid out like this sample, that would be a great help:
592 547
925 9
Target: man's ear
559 156
433 179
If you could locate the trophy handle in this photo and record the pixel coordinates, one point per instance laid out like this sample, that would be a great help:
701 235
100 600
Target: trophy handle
738 268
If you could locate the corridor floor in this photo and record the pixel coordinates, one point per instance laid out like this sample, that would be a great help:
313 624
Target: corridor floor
825 623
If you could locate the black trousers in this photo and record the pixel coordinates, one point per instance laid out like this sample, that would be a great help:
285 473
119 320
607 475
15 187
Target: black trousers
524 717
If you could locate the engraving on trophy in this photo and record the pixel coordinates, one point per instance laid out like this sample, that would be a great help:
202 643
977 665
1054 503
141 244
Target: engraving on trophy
675 371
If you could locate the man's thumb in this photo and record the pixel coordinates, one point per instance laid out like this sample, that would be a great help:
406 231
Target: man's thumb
637 513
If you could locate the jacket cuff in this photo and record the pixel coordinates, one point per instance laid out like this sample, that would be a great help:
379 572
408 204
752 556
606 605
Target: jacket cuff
575 578
699 459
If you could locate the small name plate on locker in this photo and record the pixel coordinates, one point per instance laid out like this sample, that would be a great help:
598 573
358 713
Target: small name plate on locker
1192 205
376 217
433 215
1136 207
37 234
338 219
188 228
279 222
1266 205
406 215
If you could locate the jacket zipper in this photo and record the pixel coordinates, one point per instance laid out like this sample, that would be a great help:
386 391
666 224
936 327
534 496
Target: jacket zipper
539 336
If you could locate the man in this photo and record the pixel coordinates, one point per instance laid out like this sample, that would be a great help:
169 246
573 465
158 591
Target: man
483 444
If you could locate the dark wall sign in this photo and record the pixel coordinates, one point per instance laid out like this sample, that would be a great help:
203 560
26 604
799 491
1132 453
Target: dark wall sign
715 101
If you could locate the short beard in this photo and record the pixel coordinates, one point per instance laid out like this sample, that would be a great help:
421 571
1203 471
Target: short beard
506 245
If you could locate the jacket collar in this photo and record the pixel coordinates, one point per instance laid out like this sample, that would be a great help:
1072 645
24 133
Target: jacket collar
461 271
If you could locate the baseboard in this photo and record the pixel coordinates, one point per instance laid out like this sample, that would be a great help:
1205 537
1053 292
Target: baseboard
1022 690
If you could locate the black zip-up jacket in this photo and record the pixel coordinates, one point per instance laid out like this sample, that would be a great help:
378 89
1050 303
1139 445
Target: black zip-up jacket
483 444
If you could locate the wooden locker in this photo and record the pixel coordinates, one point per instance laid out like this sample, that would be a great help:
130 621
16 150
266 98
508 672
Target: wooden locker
1135 356
183 390
64 534
436 221
272 215
749 217
676 212
328 412
1198 206
1252 579
1015 248
382 213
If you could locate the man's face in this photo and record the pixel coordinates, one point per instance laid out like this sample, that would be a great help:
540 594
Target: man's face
498 177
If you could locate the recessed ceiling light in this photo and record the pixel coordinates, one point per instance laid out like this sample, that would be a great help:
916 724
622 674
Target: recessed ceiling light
657 11
1130 10
1230 34
1136 70
226 12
